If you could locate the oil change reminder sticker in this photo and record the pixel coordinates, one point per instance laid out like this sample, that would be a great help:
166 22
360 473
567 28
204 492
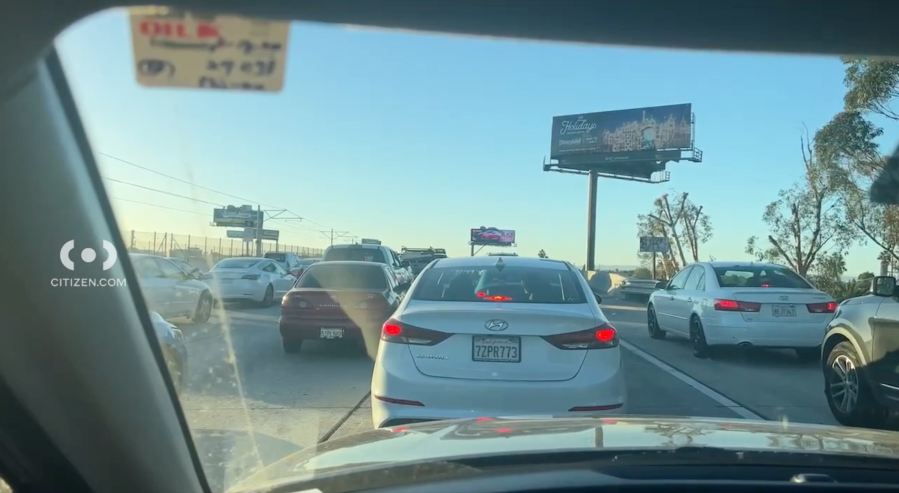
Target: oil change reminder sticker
176 48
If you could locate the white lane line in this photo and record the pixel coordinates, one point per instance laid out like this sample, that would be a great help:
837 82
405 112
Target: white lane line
683 377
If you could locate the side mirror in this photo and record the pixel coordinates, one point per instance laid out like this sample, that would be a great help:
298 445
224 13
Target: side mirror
598 298
883 286
662 285
399 288
406 263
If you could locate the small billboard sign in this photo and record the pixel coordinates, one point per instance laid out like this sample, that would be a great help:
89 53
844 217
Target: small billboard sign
654 244
492 236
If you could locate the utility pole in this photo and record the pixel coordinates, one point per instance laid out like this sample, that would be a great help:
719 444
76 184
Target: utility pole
259 220
332 235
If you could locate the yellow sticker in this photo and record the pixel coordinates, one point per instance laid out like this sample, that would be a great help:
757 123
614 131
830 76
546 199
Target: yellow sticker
176 48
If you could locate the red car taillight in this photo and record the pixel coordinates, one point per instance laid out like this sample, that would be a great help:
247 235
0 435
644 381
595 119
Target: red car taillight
399 333
295 301
829 307
601 337
736 306
373 302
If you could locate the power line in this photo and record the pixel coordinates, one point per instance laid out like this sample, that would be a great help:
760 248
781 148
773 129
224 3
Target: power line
163 192
245 200
186 182
159 206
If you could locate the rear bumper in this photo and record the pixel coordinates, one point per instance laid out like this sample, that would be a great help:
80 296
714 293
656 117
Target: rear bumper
599 385
764 334
238 290
310 327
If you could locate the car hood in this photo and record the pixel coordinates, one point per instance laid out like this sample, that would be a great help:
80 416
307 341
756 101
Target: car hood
442 440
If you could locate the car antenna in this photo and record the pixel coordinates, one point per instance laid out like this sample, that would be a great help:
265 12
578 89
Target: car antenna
500 265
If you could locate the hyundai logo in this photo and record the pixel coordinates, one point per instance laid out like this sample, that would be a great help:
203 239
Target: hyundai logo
784 298
496 325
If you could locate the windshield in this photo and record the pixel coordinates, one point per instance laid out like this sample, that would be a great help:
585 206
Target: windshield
358 254
512 285
759 277
236 263
327 276
736 177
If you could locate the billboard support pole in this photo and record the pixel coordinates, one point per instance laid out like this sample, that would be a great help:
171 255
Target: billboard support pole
472 249
591 220
259 217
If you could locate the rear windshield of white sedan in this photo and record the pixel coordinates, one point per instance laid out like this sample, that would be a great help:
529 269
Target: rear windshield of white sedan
328 276
759 277
237 263
511 285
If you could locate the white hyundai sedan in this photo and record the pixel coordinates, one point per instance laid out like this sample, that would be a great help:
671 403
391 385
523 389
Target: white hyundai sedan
741 304
497 336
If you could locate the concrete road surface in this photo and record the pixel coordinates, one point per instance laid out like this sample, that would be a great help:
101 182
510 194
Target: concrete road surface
249 404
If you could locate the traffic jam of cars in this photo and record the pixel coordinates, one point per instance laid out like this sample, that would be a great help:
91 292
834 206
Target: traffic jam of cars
500 334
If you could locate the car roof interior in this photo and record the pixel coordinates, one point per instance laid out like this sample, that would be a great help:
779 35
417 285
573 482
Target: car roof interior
85 406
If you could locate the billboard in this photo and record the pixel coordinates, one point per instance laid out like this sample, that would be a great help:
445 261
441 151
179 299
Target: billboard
492 236
623 135
657 244
235 217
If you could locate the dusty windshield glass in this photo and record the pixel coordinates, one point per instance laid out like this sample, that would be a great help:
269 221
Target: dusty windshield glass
470 152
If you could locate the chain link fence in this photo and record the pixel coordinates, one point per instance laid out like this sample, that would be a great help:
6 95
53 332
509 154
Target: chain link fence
203 252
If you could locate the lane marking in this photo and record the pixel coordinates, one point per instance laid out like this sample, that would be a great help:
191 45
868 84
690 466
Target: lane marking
683 377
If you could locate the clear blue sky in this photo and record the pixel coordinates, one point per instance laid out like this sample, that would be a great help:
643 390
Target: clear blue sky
415 138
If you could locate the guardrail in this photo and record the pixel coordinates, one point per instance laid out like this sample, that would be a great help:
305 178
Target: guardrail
638 287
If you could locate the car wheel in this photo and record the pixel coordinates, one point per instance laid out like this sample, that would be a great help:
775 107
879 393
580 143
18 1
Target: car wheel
846 388
697 339
269 298
808 353
292 346
652 323
204 309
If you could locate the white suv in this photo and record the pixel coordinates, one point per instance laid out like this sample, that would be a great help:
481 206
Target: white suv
372 253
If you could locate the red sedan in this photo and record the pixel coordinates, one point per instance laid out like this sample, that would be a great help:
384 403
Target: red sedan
339 301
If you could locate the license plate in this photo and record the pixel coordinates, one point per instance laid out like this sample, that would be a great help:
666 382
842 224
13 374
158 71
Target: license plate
496 349
783 310
332 333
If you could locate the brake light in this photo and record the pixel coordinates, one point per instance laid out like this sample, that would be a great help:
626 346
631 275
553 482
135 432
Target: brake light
294 301
399 333
829 307
601 337
251 277
737 306
497 297
373 302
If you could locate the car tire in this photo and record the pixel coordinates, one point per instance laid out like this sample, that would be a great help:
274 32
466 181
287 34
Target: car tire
268 299
808 354
652 324
698 342
204 309
844 369
292 346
